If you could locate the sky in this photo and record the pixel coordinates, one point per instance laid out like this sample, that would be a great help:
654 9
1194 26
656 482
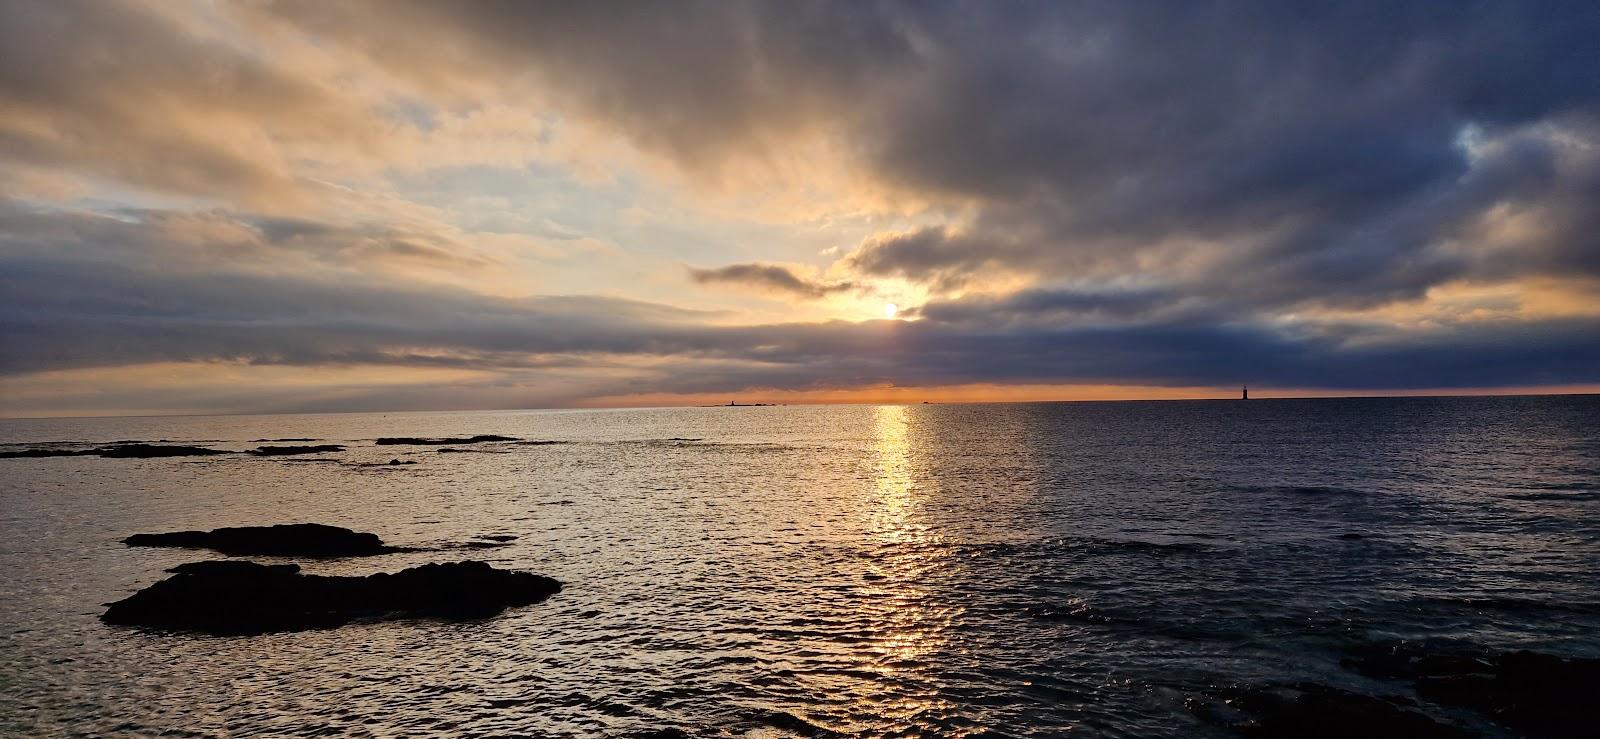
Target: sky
297 205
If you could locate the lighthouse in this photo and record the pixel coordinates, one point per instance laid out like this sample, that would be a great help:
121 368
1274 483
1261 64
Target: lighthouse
1244 392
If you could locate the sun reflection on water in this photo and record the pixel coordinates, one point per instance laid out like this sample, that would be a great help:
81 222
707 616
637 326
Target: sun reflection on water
909 626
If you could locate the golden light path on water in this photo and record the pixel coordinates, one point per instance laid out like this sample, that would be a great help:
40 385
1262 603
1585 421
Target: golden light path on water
909 630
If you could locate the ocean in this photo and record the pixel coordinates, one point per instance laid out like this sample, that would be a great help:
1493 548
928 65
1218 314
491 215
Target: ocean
1119 569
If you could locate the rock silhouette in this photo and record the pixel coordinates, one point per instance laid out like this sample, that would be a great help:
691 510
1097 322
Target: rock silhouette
145 451
422 441
267 451
1308 710
282 540
134 450
1527 691
237 598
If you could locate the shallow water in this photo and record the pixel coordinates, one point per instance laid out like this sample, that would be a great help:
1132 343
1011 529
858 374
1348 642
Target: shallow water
938 570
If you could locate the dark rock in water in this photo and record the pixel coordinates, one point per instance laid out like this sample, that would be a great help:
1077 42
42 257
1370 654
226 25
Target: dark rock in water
129 450
267 451
1314 711
283 540
229 567
146 451
239 598
38 452
418 441
1527 691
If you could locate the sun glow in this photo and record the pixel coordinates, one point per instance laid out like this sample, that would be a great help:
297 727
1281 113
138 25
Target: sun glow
889 309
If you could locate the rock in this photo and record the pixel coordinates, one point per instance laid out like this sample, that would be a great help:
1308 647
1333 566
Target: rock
283 540
419 441
229 567
146 451
1530 692
124 450
38 452
267 451
237 598
1310 710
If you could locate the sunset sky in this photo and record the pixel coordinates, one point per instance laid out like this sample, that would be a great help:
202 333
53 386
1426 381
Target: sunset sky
211 207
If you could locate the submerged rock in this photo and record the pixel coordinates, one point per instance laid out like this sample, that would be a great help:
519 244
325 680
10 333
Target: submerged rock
248 598
146 451
1527 691
283 540
267 451
229 567
42 452
1310 710
421 441
122 450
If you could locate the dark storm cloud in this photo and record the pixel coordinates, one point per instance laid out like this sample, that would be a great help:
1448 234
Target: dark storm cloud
82 291
768 278
1183 185
1320 145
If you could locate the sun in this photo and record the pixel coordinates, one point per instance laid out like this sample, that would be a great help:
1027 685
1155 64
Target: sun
889 309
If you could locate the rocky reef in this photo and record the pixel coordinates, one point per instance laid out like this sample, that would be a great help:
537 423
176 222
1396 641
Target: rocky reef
1307 710
121 450
421 441
1533 693
238 598
282 540
1454 692
270 451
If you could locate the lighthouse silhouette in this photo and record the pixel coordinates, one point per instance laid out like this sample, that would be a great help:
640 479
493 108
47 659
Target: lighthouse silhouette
1244 392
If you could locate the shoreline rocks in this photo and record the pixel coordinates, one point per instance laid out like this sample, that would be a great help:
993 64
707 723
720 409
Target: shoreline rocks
268 451
239 598
282 540
422 441
1531 692
1308 710
131 450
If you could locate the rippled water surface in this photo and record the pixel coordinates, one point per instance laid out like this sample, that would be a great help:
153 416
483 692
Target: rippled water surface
994 570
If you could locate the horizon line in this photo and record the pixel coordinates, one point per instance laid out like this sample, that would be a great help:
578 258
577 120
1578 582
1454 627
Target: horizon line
1469 393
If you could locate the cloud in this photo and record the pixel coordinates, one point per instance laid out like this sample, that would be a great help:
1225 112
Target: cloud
112 90
769 278
1302 194
79 293
1304 153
